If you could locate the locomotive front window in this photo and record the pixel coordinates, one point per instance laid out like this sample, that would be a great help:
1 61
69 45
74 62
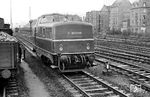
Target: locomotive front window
73 31
50 19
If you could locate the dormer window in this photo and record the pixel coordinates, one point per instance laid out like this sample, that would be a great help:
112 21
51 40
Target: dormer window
144 4
144 10
137 5
144 16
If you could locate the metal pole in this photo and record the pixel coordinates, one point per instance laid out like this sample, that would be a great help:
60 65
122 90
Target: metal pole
29 12
11 14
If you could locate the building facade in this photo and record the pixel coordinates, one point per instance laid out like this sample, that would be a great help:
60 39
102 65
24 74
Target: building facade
140 16
104 19
119 13
74 18
93 18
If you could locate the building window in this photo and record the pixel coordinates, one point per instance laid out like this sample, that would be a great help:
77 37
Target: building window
132 30
137 5
144 16
132 21
144 4
144 23
144 10
136 29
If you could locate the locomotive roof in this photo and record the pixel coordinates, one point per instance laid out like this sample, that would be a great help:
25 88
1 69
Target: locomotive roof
54 24
52 14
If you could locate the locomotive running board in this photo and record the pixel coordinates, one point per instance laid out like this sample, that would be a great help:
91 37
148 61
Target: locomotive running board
53 66
76 70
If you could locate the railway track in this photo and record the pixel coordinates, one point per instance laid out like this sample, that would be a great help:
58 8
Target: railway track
10 89
124 63
137 74
131 53
134 48
90 86
123 54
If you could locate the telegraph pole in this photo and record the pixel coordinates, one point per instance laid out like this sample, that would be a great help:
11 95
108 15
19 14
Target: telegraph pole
29 12
30 21
11 24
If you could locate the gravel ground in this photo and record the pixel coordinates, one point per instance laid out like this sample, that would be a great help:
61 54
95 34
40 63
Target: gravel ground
36 87
113 77
52 80
48 76
23 90
120 80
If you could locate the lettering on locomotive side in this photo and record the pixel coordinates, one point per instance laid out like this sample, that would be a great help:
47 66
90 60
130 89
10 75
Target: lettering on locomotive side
75 33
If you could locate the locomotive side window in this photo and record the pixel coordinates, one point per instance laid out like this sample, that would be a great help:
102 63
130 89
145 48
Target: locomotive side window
43 33
35 30
47 19
39 32
49 33
50 19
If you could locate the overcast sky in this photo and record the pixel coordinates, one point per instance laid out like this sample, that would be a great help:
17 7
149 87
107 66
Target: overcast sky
20 8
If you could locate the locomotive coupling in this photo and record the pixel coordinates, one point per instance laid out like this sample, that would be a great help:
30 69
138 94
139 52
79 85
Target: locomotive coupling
5 73
75 59
90 58
68 62
64 59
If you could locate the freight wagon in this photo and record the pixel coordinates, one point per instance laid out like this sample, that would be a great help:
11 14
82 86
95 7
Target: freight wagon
8 58
9 51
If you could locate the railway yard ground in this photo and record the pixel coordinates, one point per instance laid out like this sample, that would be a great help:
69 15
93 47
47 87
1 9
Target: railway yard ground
35 79
38 80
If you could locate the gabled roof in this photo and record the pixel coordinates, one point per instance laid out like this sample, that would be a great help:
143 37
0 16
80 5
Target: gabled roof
119 2
105 8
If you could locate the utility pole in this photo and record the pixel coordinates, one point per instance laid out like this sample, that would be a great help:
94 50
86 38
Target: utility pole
11 24
29 12
30 21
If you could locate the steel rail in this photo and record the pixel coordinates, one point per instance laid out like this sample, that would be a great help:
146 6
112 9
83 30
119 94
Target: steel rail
144 85
76 86
133 45
99 81
124 56
4 92
116 90
121 61
125 47
123 51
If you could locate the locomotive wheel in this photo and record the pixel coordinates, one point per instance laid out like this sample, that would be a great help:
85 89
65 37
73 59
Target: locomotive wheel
61 66
45 60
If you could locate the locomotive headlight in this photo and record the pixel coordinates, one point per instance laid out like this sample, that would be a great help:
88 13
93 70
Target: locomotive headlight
6 73
90 58
87 46
60 47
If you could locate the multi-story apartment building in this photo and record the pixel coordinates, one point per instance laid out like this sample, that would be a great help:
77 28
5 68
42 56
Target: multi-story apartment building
104 19
119 13
93 18
74 18
140 16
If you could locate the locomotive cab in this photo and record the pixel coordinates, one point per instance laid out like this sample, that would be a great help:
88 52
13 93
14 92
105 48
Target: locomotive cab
69 45
74 44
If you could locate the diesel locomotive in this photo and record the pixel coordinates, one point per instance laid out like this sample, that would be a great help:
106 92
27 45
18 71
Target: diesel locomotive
61 42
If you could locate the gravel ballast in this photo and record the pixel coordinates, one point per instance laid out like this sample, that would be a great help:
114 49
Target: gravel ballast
50 77
36 87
